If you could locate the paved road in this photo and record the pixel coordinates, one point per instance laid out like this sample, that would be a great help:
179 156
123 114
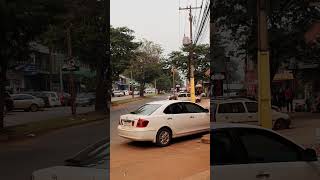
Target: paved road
19 159
21 117
128 158
124 97
53 148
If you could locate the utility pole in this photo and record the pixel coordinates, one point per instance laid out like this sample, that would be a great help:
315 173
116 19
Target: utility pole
263 66
61 80
173 80
192 86
72 86
132 87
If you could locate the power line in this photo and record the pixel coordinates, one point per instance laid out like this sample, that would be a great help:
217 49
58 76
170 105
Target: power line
203 22
199 17
200 26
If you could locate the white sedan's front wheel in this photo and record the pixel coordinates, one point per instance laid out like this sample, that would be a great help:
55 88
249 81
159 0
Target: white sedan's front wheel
164 137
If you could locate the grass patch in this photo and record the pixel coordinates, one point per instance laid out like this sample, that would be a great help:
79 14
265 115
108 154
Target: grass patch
39 127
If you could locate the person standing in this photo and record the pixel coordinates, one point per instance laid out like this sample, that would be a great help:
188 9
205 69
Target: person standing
289 99
281 99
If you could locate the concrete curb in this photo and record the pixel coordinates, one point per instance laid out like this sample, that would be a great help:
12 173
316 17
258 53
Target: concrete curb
206 139
205 175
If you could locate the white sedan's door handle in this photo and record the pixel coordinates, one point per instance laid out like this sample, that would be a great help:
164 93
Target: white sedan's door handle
191 116
169 118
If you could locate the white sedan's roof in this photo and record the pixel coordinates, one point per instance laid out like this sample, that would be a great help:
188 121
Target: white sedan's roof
217 125
165 102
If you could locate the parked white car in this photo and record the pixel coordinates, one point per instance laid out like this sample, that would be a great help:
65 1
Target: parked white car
243 110
27 102
90 163
117 93
187 97
239 151
184 96
160 121
126 92
53 98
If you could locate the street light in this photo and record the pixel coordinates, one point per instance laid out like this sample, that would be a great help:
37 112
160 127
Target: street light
188 42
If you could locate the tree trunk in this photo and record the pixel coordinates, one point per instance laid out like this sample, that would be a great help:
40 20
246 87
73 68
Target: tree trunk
101 88
51 63
2 93
142 84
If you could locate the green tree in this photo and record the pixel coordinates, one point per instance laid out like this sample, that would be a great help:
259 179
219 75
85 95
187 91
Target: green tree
123 50
146 65
180 60
287 23
165 79
21 23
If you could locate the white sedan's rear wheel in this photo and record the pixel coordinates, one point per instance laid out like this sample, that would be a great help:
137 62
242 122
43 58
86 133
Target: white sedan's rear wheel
164 137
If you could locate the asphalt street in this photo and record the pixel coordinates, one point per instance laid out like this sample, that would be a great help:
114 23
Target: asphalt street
53 148
19 159
21 117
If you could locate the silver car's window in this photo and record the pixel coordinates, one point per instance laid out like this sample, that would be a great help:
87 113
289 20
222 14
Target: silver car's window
236 107
252 107
264 147
193 108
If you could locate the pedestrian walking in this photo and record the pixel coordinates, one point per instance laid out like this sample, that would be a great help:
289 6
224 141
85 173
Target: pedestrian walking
289 99
281 99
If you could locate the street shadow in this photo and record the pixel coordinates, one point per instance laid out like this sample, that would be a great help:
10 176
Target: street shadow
150 145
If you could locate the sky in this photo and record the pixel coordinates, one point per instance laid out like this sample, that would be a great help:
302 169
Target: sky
159 21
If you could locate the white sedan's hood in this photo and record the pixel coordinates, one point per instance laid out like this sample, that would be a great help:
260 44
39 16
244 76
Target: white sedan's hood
70 173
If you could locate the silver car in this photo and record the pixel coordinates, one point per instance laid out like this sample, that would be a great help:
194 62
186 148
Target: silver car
27 102
90 163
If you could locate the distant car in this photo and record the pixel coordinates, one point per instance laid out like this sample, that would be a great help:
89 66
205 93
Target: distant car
27 102
65 99
90 163
83 100
117 93
125 92
173 97
92 97
39 94
184 96
160 121
241 110
53 98
239 151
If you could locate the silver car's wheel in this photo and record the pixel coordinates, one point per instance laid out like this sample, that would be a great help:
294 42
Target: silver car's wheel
164 137
34 108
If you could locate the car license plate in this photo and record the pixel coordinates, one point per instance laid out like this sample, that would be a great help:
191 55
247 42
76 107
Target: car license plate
126 123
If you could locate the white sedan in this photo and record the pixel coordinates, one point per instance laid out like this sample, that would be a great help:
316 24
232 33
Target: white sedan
251 153
160 121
